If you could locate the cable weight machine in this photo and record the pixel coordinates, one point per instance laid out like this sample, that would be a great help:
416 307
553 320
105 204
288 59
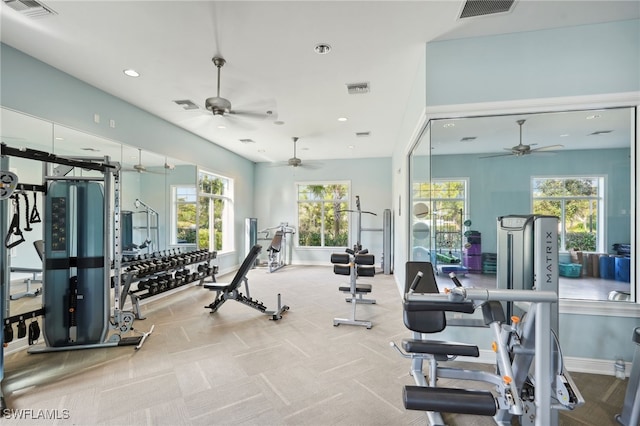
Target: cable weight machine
76 312
386 234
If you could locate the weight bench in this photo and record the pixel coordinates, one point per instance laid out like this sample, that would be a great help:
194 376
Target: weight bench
230 291
39 246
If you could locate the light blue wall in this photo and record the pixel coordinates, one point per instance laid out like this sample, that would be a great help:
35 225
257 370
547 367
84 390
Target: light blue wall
575 61
582 60
276 199
502 186
35 88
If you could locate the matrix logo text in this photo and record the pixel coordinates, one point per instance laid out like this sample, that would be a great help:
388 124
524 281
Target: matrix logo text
30 414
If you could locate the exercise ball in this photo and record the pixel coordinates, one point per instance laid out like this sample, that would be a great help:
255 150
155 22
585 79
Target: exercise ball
420 210
420 231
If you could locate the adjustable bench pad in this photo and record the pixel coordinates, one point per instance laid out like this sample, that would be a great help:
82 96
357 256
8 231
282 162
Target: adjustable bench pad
360 288
439 347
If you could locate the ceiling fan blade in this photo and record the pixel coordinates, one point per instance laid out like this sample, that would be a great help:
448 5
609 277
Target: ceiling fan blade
547 148
500 155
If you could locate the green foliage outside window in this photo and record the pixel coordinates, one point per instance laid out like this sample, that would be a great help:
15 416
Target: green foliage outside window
322 217
575 202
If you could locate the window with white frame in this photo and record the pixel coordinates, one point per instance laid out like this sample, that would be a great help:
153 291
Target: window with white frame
577 201
215 212
439 208
323 220
184 222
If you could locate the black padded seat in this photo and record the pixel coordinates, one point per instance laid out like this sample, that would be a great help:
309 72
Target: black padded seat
360 288
276 242
240 275
439 347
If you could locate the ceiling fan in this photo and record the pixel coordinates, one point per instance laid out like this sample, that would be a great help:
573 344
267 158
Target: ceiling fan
294 161
220 106
522 149
140 168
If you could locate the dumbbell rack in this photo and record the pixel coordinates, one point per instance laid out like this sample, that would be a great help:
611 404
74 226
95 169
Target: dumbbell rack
163 271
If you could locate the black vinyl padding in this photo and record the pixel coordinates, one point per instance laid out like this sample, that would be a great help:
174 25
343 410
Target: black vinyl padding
342 269
360 288
427 283
636 336
429 317
365 259
340 258
449 400
492 312
366 271
276 242
246 266
439 347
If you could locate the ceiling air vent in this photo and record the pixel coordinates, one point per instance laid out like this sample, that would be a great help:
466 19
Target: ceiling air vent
600 132
186 104
363 134
468 139
247 141
30 8
484 7
357 88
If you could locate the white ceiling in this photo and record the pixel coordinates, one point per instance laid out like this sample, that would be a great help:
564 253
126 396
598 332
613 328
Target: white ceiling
271 63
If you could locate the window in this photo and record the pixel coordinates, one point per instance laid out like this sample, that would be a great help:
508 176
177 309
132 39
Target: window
439 209
577 201
184 214
215 212
323 219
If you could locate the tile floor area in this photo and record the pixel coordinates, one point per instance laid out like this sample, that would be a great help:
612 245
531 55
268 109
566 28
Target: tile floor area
236 366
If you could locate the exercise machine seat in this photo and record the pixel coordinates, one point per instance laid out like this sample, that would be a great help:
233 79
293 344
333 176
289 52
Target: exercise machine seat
360 288
240 275
276 242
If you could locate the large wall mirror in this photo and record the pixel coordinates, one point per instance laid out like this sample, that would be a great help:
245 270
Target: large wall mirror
576 165
147 194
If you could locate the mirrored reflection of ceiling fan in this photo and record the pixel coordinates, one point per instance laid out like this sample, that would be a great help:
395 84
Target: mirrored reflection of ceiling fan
140 168
220 106
522 149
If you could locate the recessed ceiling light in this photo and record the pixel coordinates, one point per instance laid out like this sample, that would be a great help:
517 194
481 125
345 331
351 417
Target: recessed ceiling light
322 48
446 125
58 138
350 147
131 72
564 135
342 118
222 126
592 117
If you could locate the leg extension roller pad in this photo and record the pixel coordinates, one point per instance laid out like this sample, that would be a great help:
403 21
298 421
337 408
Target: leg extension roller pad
449 400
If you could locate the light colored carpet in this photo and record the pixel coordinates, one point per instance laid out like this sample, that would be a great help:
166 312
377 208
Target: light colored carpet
237 366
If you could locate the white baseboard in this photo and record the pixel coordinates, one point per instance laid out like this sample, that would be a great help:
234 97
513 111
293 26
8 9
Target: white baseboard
605 367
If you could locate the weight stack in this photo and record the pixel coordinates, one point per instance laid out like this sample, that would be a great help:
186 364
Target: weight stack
75 294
